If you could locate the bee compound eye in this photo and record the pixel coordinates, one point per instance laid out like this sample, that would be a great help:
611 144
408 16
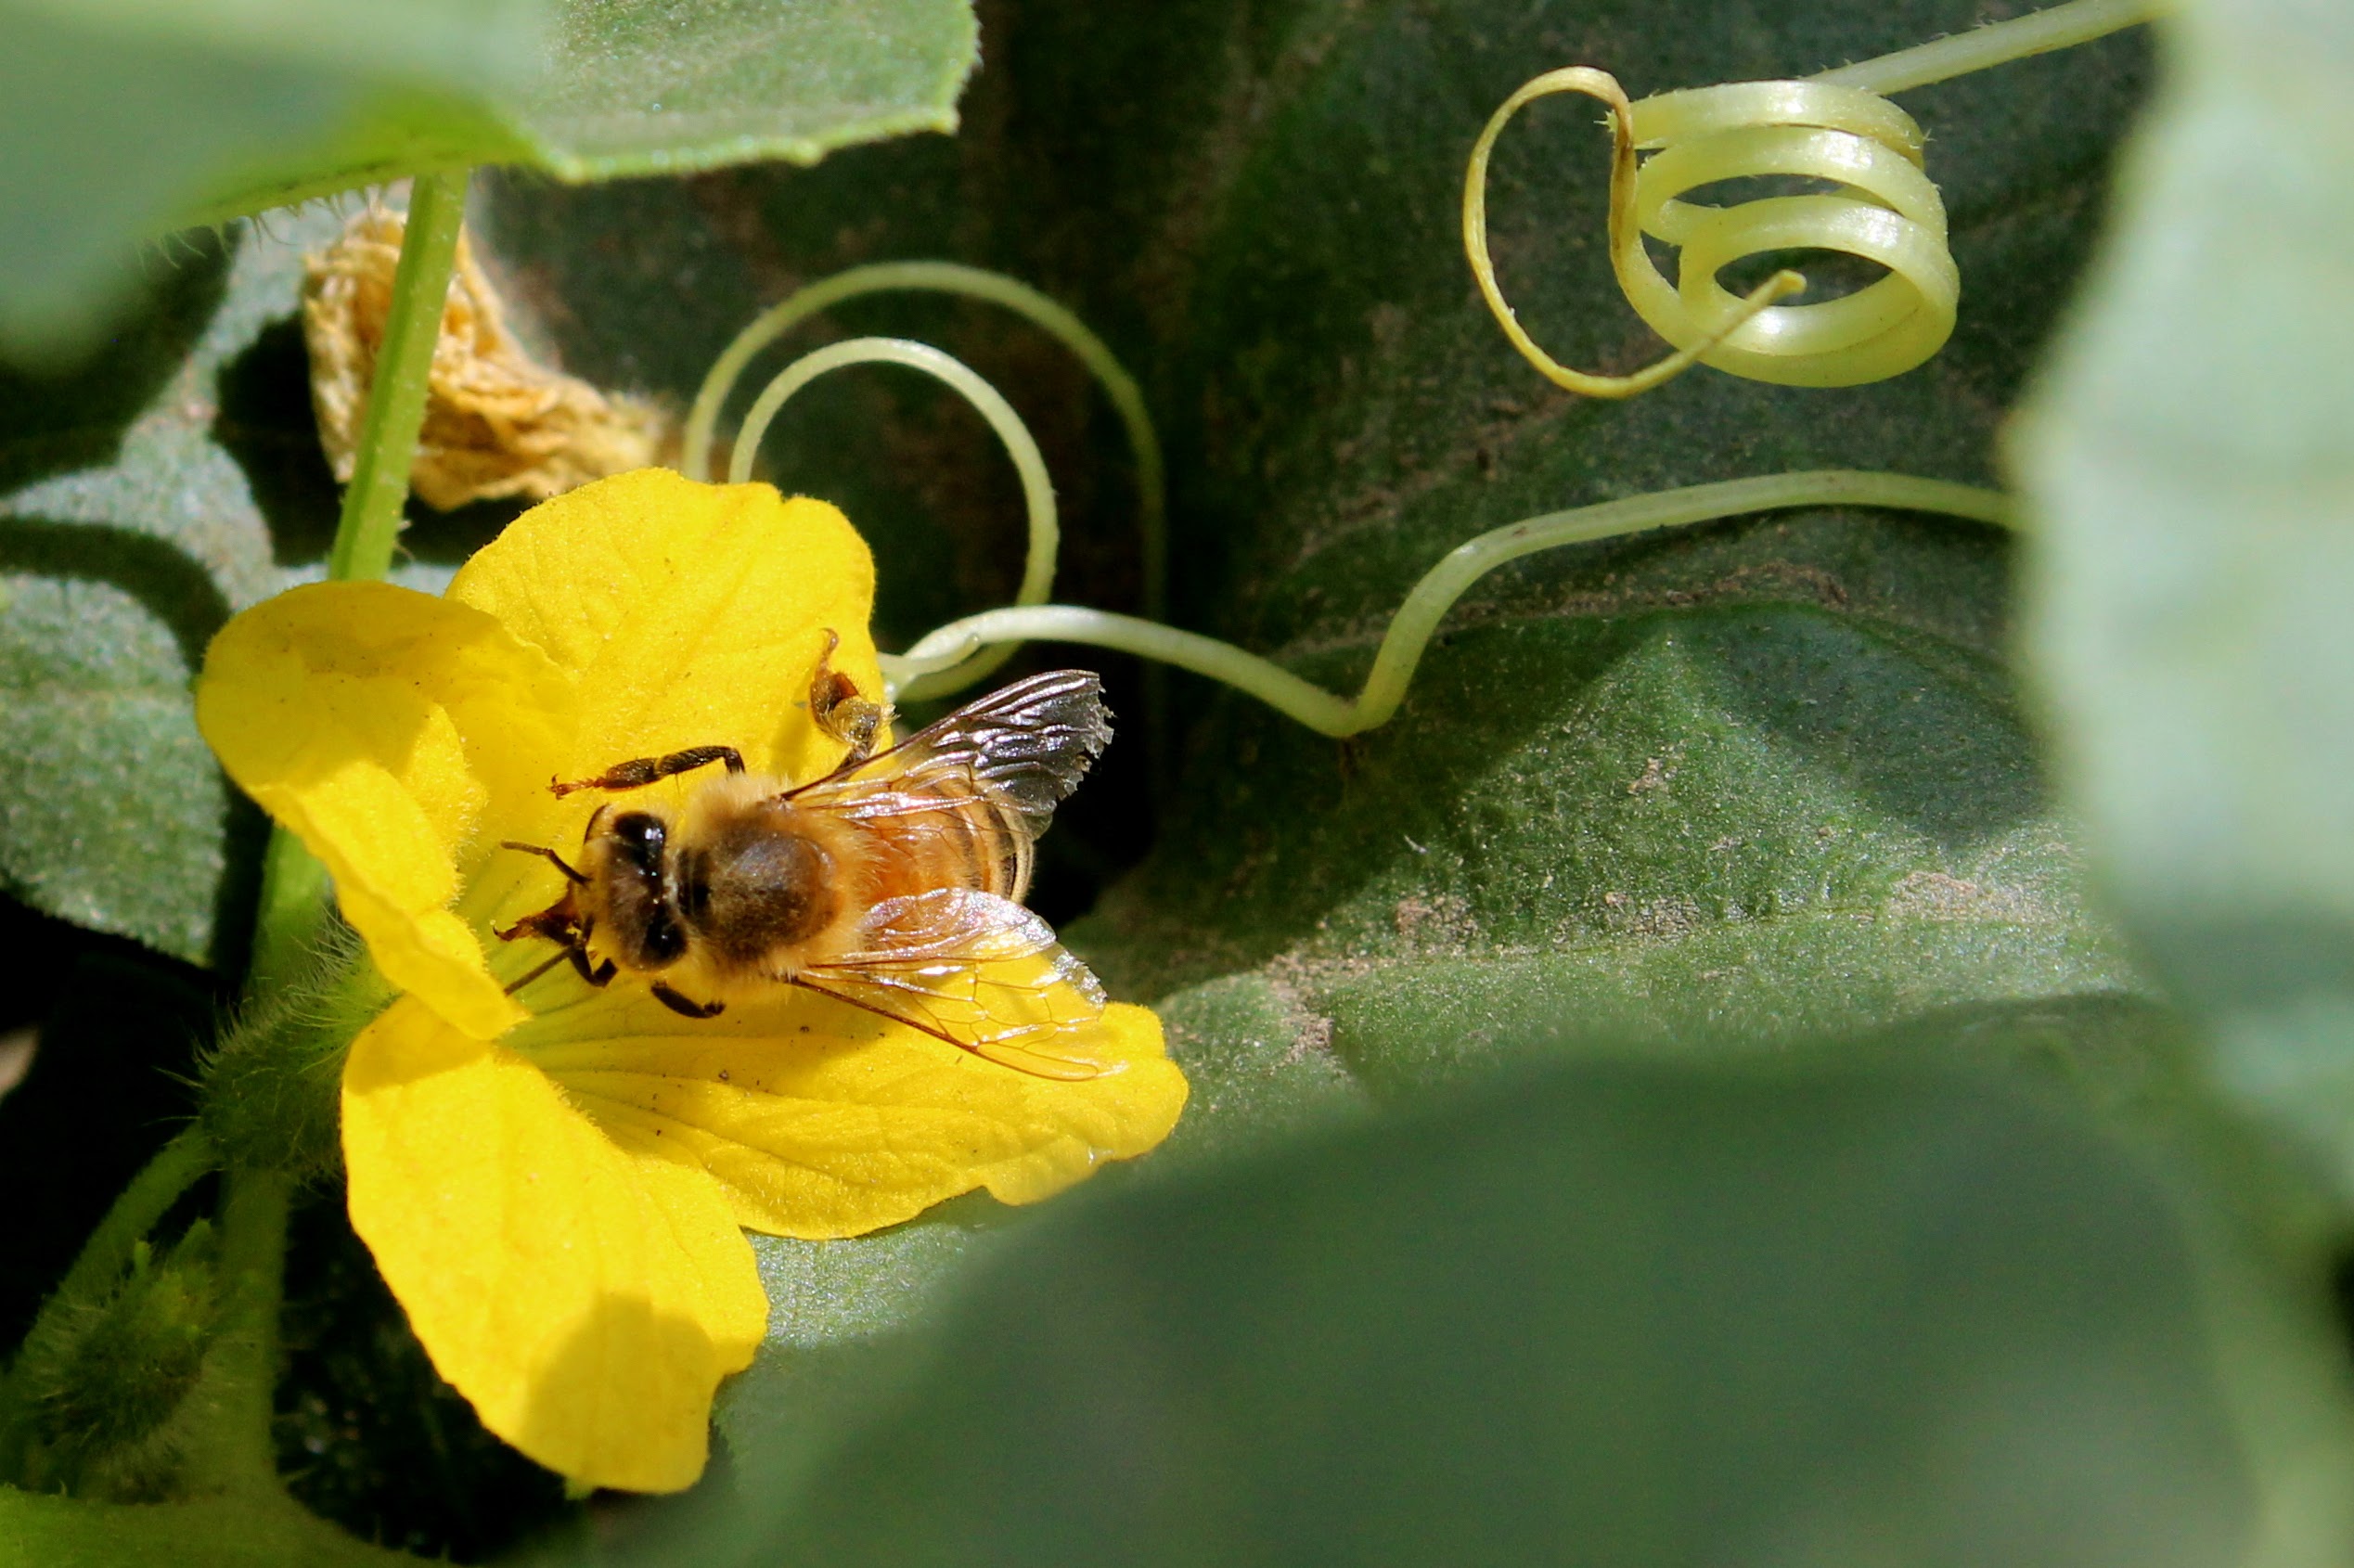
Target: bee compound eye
639 829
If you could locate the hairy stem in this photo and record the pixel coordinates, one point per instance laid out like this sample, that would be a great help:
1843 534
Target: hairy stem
235 1448
243 1368
292 913
178 1165
1418 618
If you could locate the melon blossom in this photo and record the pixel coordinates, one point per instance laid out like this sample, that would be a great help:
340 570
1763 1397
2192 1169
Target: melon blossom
556 1183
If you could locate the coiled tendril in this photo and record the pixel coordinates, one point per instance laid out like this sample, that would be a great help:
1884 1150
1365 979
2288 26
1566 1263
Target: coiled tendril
1884 210
1839 128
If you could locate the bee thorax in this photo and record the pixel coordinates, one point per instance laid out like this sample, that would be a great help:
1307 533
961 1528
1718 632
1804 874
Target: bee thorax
750 888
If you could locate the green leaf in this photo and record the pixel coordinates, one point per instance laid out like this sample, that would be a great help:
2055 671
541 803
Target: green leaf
1736 784
1737 823
656 86
2195 504
143 499
1619 1313
195 91
218 109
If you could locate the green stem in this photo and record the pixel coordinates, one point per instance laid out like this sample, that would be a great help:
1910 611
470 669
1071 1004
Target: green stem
178 1165
2037 33
373 502
233 1446
1418 619
294 887
292 913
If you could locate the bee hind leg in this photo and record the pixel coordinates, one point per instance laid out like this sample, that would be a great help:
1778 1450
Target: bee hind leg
686 1005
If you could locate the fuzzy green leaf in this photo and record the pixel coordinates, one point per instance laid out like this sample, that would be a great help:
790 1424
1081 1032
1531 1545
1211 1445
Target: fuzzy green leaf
196 92
1619 1313
143 499
2195 496
218 109
656 86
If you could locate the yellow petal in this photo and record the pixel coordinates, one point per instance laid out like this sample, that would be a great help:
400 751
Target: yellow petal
384 727
821 1121
586 1298
688 614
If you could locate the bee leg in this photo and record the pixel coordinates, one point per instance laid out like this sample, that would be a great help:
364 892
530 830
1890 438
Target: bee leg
679 1004
835 704
559 922
638 772
600 976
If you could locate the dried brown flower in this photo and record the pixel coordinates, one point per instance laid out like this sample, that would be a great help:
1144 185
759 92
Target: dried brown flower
497 423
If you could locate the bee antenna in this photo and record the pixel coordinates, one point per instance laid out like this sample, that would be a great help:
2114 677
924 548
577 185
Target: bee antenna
562 953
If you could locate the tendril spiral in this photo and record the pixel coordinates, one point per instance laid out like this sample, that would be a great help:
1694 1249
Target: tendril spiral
1884 210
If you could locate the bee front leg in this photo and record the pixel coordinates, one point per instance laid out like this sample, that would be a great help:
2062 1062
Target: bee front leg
560 923
571 875
601 975
682 1005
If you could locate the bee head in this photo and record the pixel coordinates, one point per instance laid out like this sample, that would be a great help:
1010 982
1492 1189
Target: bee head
640 919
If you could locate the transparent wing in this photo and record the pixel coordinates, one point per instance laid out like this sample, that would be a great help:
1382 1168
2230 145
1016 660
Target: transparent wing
1025 746
977 971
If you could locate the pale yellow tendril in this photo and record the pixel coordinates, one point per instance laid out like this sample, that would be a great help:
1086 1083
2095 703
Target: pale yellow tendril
1418 619
1628 258
1038 489
702 436
1837 129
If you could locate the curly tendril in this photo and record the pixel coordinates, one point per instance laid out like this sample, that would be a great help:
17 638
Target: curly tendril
1886 211
1837 129
1038 489
702 434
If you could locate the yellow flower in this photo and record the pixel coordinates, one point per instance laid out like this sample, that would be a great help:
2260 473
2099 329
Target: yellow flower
555 1194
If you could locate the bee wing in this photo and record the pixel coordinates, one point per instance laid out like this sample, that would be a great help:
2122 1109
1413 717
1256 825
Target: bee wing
1026 745
976 971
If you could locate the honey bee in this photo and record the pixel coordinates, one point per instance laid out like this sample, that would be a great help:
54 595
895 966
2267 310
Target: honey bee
893 883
